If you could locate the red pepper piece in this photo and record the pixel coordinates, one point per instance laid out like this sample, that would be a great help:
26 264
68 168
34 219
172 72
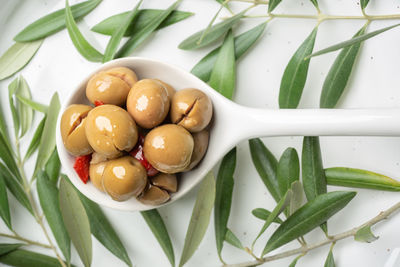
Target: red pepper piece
81 167
137 153
98 103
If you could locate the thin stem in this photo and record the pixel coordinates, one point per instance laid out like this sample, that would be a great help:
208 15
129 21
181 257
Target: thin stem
27 241
322 17
304 249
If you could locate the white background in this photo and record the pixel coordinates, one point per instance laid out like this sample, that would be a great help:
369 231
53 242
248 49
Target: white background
374 83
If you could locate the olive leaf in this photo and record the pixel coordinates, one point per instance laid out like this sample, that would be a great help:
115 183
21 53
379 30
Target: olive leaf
288 169
140 36
350 177
263 214
365 235
279 208
76 221
157 226
25 112
35 140
144 17
15 188
53 166
34 105
223 75
4 207
200 218
213 33
79 41
101 228
273 4
297 197
9 160
266 166
16 57
309 216
330 261
25 258
315 3
350 42
295 74
117 35
6 248
223 198
4 131
54 22
12 90
232 239
364 3
338 75
48 138
314 180
48 197
242 43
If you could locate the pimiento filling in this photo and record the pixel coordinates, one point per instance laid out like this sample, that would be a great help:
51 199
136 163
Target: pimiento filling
137 153
81 166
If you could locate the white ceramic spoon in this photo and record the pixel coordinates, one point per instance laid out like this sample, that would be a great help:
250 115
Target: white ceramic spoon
231 124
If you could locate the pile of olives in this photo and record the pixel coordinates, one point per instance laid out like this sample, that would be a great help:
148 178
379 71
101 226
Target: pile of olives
139 135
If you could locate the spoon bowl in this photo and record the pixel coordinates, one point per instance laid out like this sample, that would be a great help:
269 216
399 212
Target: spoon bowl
231 124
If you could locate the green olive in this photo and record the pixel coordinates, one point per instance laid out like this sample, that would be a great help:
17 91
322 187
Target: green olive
96 171
148 103
154 195
72 128
170 89
200 148
168 148
192 109
165 181
110 130
124 177
111 86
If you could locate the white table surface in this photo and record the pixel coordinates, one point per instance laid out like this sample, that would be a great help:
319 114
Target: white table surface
374 83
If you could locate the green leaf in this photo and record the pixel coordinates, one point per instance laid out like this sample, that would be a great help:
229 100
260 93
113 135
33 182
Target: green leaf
6 248
34 105
4 207
101 228
53 22
200 218
279 208
213 33
145 16
15 188
4 131
232 239
48 138
16 57
81 44
263 214
223 198
365 235
48 197
305 219
25 258
351 177
273 4
117 35
53 166
364 3
25 112
294 262
295 75
35 140
266 166
9 160
288 169
315 3
352 41
76 221
338 75
242 43
330 261
157 226
314 180
223 75
297 197
145 32
12 90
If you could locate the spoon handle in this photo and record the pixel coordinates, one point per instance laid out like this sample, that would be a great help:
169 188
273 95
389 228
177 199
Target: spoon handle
318 122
